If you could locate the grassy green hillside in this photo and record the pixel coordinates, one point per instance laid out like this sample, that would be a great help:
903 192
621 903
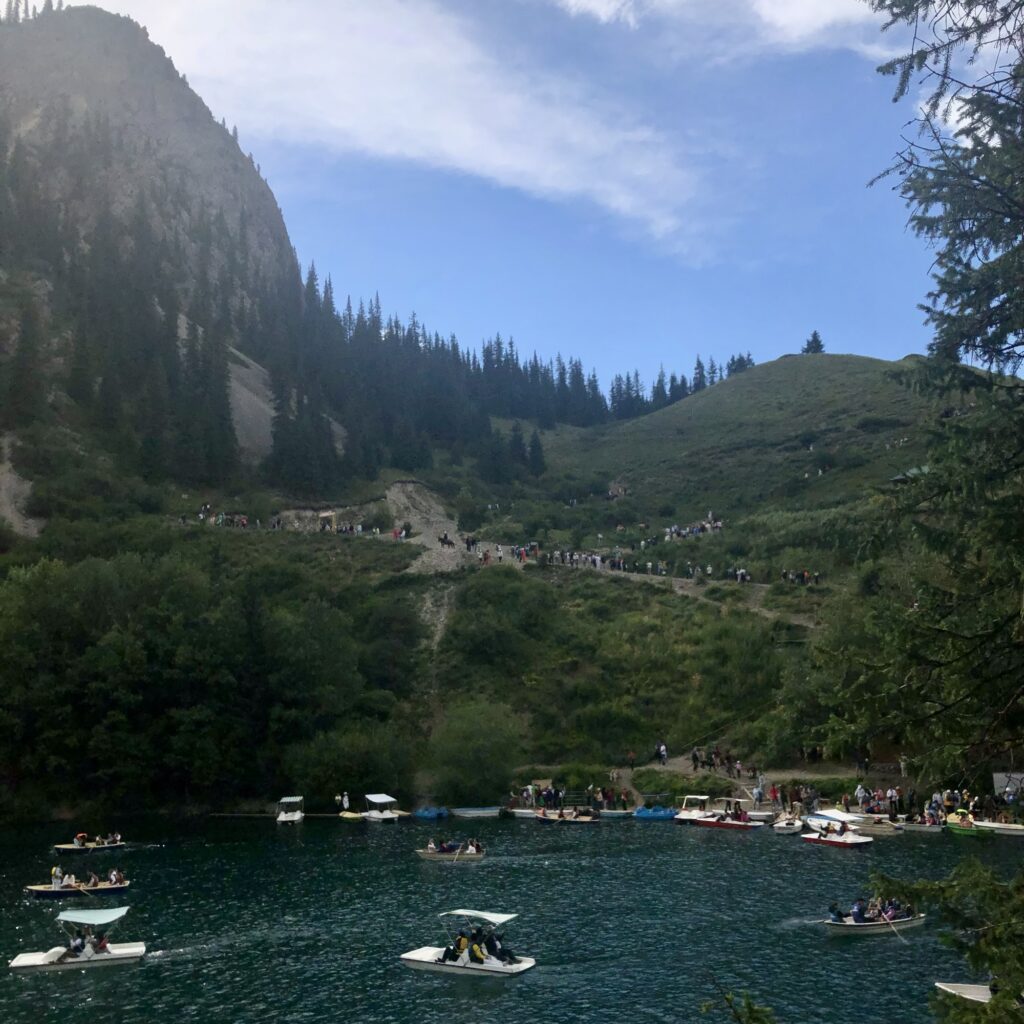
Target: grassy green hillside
760 438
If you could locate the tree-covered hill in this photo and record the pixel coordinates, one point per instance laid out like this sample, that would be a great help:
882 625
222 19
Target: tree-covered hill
805 431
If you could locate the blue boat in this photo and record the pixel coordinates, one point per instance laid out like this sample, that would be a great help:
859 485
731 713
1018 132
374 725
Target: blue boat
430 813
656 813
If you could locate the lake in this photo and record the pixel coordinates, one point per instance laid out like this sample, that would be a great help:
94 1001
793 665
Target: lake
246 920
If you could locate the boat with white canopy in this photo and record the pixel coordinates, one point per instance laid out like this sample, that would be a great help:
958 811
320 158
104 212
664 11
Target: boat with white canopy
849 839
872 825
465 930
290 810
694 806
87 931
380 807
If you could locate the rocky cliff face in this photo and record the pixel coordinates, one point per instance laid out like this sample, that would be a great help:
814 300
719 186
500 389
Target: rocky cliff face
104 118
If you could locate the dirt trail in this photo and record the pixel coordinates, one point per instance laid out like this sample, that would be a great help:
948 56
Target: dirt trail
14 493
412 503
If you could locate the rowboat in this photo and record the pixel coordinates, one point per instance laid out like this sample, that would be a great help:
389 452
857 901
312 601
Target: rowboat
445 959
48 892
850 927
848 839
380 808
968 831
920 828
290 810
430 813
476 812
60 958
656 813
572 818
460 856
719 820
973 993
522 812
89 847
1001 828
694 806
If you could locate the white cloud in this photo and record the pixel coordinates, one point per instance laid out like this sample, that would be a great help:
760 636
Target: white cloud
604 10
407 80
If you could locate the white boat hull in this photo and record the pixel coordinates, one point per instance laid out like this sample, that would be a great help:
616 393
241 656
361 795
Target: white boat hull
849 927
1001 828
118 953
427 958
522 812
88 847
290 817
788 828
849 839
919 829
688 816
476 812
381 817
975 993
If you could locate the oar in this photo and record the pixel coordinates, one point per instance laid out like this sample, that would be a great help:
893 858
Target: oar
457 852
82 887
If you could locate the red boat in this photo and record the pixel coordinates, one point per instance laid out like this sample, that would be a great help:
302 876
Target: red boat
722 822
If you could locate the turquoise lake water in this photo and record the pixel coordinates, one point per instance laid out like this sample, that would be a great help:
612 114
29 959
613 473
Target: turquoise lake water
249 921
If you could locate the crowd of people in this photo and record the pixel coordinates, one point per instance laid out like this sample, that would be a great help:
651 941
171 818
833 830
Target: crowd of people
477 945
60 880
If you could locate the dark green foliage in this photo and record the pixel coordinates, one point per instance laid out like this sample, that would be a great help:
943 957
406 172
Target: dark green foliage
535 458
25 392
813 345
473 751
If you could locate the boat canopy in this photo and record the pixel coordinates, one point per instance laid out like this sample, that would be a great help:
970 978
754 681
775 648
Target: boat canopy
836 814
93 918
695 796
380 798
481 915
290 800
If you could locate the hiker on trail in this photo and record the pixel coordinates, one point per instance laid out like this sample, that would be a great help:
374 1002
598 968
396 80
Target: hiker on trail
695 759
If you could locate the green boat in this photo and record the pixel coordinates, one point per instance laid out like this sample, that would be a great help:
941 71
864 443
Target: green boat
969 831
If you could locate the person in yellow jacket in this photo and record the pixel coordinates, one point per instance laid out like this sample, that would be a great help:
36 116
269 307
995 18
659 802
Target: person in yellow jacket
455 952
477 951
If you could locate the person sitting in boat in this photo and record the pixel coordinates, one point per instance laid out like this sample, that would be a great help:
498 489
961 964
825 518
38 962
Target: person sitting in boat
835 914
857 912
80 839
94 880
495 946
75 948
100 943
477 949
431 846
56 876
70 882
113 837
116 878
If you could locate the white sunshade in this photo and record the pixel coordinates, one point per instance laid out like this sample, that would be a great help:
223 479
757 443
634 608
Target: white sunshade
480 915
835 814
695 796
380 798
93 918
291 800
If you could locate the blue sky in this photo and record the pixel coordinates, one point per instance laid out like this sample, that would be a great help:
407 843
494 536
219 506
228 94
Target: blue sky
632 181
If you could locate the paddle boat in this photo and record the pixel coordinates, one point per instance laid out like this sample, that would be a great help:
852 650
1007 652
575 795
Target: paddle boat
476 812
719 820
849 839
656 813
62 892
430 813
83 844
290 810
788 826
694 806
570 817
463 854
380 808
446 959
850 927
865 824
96 953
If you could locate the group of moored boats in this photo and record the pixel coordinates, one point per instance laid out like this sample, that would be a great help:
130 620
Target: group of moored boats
87 930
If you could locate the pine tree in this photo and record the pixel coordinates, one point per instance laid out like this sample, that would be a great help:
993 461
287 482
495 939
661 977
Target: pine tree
813 345
26 385
517 447
699 381
537 463
712 372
